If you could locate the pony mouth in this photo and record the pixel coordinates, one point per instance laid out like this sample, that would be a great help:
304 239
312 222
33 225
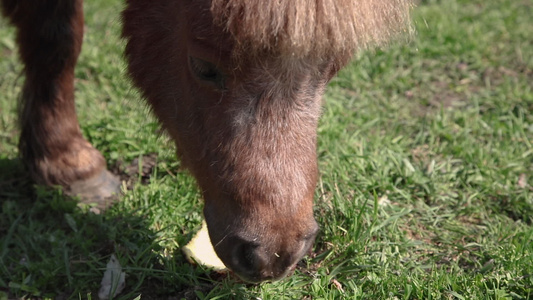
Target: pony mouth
264 277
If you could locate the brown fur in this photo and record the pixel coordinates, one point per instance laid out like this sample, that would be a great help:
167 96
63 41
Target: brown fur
49 35
237 84
320 28
251 142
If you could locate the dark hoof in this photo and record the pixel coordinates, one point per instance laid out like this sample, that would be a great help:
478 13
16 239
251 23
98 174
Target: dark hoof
100 192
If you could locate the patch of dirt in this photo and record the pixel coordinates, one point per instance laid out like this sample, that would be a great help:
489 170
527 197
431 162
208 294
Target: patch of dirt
451 92
497 75
419 233
140 169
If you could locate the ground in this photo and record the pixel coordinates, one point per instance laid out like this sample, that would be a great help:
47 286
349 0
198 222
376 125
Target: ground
426 161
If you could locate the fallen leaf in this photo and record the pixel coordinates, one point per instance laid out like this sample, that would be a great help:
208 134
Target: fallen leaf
522 181
114 279
384 201
337 284
200 250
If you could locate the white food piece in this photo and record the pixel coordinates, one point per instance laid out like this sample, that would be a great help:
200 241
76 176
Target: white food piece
114 279
200 251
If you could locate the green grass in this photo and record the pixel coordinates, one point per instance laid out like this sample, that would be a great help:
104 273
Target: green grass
426 161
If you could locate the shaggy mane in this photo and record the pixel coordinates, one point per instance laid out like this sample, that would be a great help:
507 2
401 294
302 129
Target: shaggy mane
312 27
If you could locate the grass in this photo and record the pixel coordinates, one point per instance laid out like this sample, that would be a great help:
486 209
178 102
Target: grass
426 161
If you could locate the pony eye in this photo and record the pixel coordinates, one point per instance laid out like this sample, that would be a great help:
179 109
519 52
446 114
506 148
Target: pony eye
207 71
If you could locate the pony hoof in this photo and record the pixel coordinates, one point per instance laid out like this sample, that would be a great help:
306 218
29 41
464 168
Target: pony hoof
100 191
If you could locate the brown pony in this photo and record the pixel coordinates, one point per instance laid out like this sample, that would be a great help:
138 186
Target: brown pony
236 83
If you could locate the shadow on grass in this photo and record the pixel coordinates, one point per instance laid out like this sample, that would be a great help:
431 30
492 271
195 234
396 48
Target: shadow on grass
52 248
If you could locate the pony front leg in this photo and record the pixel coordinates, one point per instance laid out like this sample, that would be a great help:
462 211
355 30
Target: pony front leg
49 36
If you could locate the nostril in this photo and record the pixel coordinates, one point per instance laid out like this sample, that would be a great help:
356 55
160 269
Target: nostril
245 257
